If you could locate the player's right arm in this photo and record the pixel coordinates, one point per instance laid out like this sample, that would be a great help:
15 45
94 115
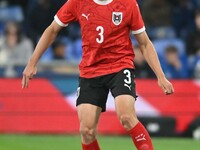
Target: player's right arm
65 15
45 41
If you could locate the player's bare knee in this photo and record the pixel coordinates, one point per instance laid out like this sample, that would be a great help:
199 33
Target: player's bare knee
128 121
125 120
88 133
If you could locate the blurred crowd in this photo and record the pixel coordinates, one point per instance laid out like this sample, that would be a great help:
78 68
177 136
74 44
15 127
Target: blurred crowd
172 25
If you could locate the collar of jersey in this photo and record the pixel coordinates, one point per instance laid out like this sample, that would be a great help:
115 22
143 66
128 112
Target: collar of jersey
103 2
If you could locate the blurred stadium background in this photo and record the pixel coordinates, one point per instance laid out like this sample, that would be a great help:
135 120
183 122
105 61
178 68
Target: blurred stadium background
44 116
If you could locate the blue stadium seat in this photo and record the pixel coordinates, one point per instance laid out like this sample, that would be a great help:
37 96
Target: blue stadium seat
162 32
162 44
78 49
48 55
13 13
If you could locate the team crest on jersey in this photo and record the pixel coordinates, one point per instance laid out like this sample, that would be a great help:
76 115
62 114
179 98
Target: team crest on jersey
117 18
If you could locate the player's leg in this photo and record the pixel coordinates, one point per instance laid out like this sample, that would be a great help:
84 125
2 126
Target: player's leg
88 116
91 102
124 105
126 113
122 88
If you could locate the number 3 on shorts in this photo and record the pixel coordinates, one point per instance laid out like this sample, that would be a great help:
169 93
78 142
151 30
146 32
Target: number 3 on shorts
128 75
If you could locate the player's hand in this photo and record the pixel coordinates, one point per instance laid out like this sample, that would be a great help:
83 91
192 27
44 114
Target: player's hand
28 74
166 86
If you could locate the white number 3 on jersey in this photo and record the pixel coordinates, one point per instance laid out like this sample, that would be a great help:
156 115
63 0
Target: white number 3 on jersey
100 39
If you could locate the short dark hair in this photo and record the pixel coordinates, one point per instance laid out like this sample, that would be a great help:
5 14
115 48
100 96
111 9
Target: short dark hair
171 49
58 43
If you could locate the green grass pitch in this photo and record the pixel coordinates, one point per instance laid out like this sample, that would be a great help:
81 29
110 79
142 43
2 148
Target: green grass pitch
67 142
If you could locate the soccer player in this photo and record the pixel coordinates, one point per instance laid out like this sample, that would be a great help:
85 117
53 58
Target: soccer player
107 63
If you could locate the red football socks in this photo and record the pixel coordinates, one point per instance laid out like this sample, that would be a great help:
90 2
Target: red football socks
141 137
92 146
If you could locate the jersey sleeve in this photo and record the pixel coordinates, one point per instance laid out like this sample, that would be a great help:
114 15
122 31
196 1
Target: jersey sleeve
66 14
137 23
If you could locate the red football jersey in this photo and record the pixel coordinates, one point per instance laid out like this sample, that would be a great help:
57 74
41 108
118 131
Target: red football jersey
105 27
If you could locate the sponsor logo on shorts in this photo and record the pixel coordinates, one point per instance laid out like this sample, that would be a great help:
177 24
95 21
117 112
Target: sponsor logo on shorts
128 86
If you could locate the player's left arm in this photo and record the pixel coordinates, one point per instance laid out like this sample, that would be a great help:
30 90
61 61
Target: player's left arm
151 57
